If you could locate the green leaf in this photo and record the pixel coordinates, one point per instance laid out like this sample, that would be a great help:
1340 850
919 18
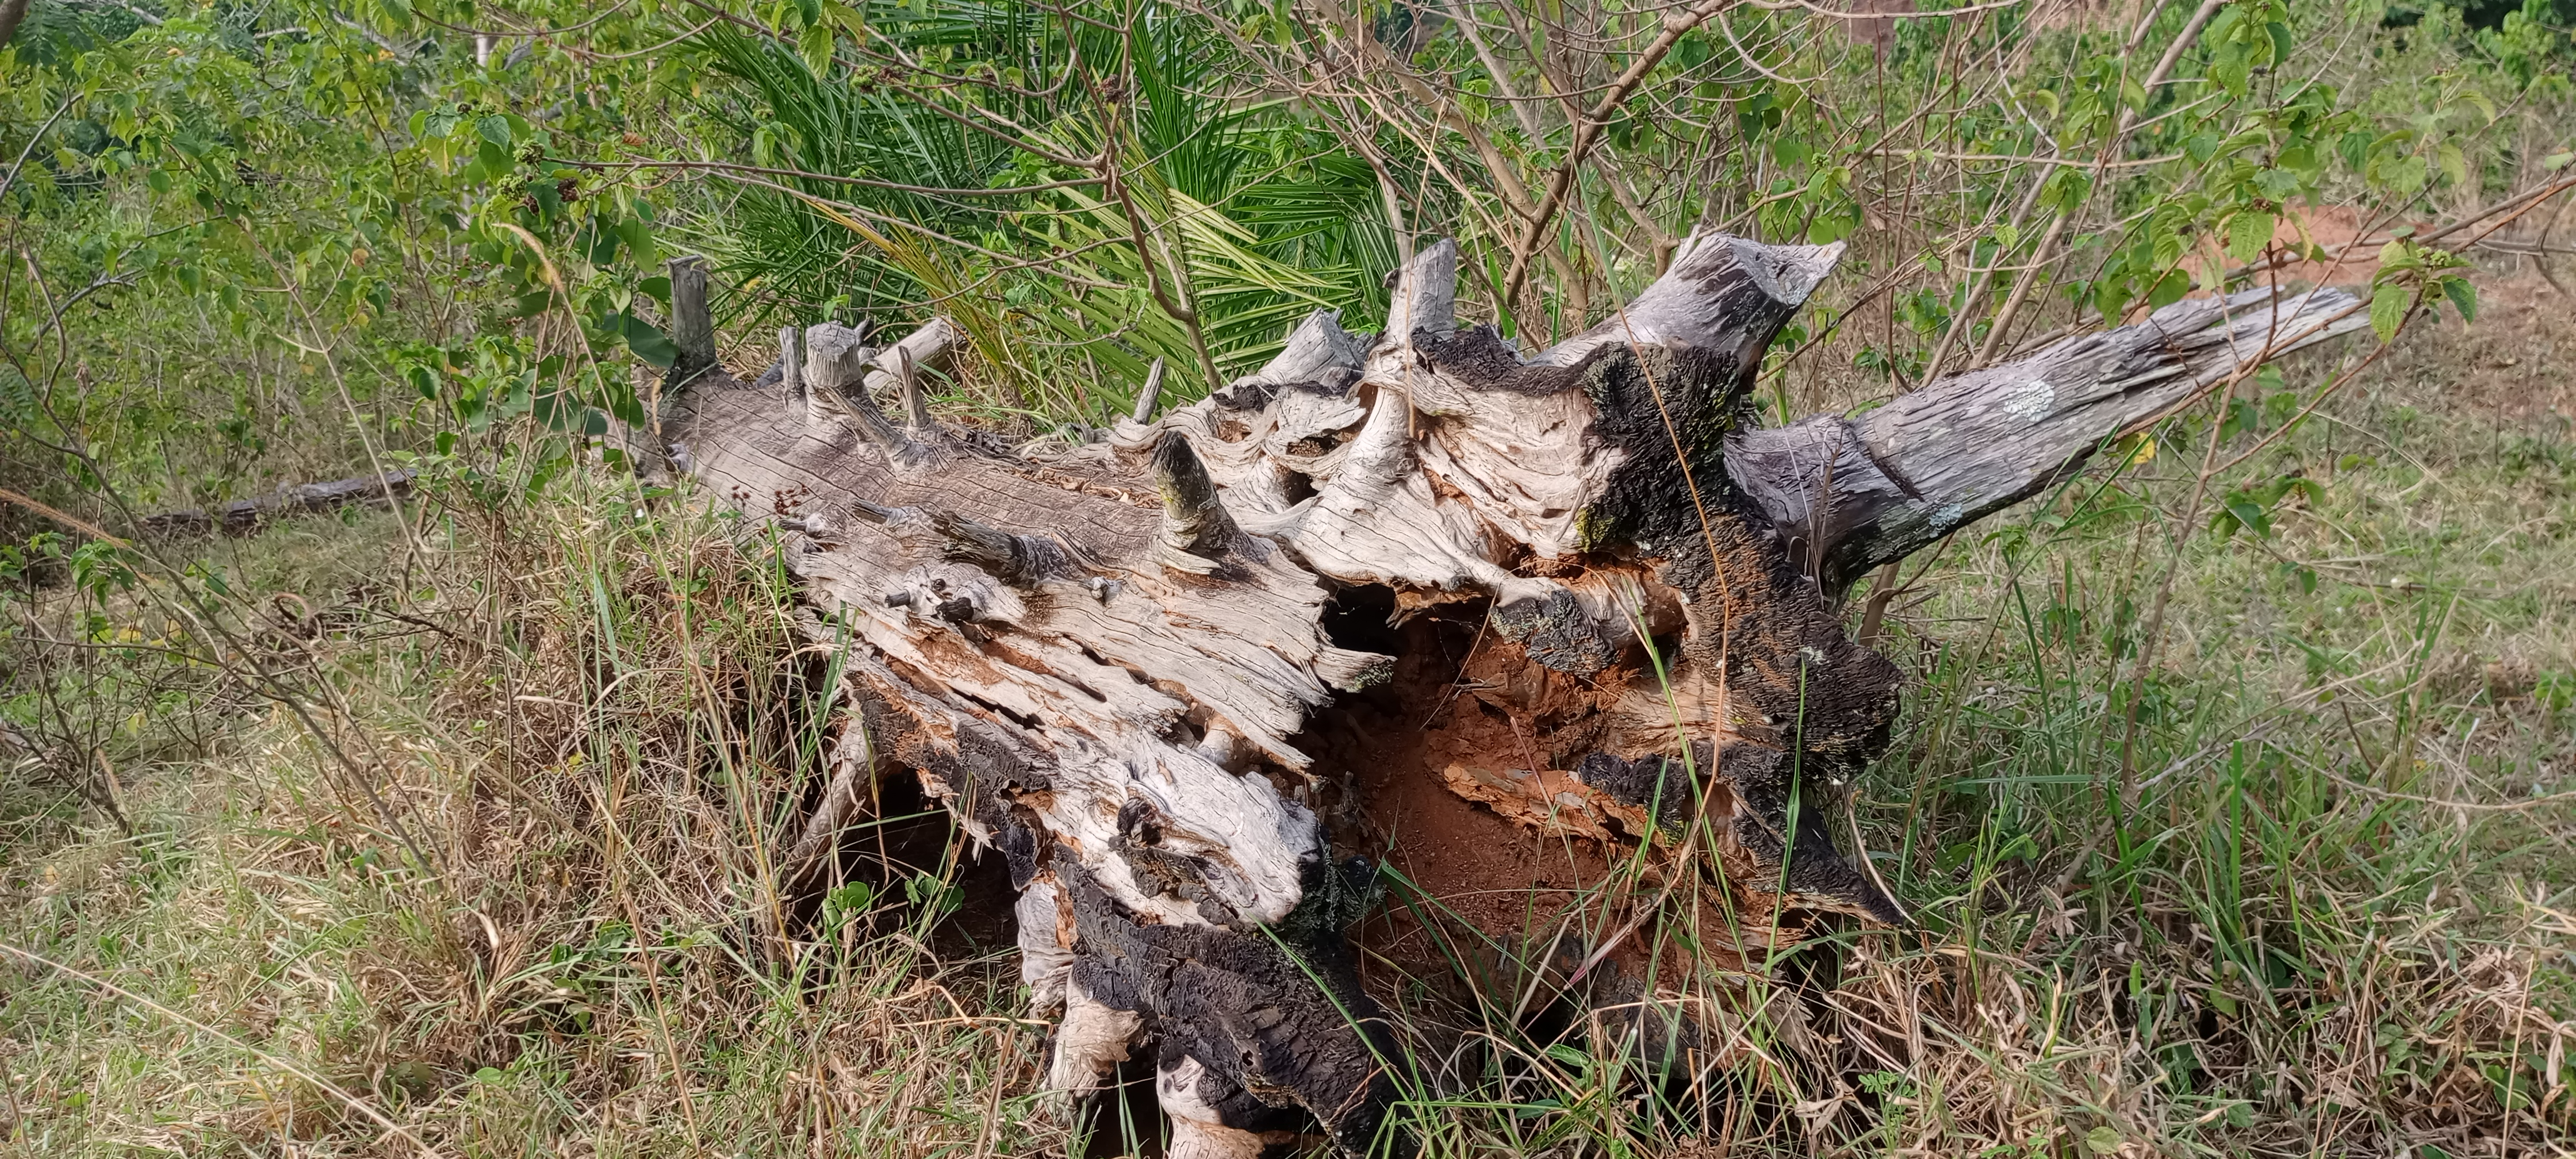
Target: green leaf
2102 1141
852 898
2454 165
647 341
2169 289
2463 296
2232 71
2556 161
2394 256
2388 310
637 233
2247 233
1569 1055
1832 226
2252 516
495 128
2067 190
815 45
2405 175
621 401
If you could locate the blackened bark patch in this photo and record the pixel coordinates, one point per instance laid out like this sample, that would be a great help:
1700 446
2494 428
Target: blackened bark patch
1781 644
1560 634
1783 799
1660 785
1275 1016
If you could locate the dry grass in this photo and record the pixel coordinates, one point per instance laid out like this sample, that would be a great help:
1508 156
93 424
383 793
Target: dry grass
513 888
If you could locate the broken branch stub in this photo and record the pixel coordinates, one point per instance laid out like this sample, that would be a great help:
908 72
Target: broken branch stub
693 332
1140 677
1852 494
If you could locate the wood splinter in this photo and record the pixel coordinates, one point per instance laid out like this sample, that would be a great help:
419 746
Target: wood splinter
791 363
916 408
1152 392
837 363
1018 560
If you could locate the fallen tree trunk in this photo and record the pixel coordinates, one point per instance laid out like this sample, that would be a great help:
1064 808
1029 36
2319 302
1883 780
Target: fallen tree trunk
246 515
1142 671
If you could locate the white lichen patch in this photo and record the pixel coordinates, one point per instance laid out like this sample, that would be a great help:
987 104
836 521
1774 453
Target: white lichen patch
2031 401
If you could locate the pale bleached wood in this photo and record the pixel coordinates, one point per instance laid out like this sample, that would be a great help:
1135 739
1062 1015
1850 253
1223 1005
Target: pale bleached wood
1102 660
1090 672
1852 494
1151 393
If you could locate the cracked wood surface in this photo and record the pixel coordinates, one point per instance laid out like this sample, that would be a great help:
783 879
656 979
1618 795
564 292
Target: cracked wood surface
1111 661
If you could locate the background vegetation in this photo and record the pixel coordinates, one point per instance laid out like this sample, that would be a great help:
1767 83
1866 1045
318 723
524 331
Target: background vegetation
2235 792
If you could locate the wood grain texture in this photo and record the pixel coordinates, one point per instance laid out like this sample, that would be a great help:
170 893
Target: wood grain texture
1117 663
1852 494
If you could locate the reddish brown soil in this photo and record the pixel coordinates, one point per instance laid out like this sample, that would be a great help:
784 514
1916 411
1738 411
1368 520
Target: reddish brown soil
1392 744
1482 888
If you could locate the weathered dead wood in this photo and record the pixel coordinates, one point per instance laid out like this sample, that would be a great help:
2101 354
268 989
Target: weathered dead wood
1852 494
1116 664
693 331
245 515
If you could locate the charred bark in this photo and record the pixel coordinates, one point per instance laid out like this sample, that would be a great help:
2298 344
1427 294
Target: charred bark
1109 662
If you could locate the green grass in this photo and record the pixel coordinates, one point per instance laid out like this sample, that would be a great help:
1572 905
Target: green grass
2333 915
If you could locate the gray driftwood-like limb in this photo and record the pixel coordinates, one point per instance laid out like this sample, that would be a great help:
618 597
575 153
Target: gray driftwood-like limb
916 404
246 515
879 371
1852 494
1151 393
791 365
1121 666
